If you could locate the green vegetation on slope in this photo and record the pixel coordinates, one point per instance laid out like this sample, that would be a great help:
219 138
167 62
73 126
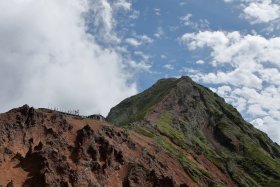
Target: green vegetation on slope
143 131
164 125
200 122
135 108
189 166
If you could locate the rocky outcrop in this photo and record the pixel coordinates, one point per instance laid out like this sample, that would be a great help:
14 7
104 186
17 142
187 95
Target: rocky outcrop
50 149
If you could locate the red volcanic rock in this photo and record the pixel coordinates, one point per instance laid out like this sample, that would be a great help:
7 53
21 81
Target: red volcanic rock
47 148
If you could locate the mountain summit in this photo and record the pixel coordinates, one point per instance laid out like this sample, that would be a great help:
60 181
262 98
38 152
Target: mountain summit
176 133
191 122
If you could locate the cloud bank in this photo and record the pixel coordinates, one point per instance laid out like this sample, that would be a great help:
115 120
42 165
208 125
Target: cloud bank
48 56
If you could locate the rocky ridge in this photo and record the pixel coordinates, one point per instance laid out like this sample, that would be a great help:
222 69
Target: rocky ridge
176 133
187 118
46 148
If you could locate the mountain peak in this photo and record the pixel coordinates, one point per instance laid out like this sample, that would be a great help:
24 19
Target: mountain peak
176 133
192 117
163 96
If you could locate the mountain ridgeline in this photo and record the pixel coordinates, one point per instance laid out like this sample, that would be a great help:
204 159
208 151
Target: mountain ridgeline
175 134
211 140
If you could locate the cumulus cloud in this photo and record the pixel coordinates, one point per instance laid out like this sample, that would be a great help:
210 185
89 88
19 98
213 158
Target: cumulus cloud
262 12
48 56
265 12
234 48
247 73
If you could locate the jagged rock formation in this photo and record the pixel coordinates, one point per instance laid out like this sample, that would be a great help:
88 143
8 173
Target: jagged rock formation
177 133
47 148
190 121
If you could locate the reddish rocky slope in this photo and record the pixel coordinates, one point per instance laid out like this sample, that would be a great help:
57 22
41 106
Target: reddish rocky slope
46 148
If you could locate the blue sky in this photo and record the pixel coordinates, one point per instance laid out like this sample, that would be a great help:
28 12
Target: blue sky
168 50
91 54
244 79
167 54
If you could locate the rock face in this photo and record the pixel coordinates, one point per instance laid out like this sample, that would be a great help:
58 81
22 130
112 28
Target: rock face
46 148
177 133
214 144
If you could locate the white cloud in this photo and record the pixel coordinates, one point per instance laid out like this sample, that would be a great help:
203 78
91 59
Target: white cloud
265 12
139 40
186 19
123 4
144 56
233 48
159 33
135 14
183 2
47 56
256 110
132 41
270 126
200 62
157 11
239 77
101 14
168 66
223 90
262 11
145 39
247 73
257 122
200 24
141 66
